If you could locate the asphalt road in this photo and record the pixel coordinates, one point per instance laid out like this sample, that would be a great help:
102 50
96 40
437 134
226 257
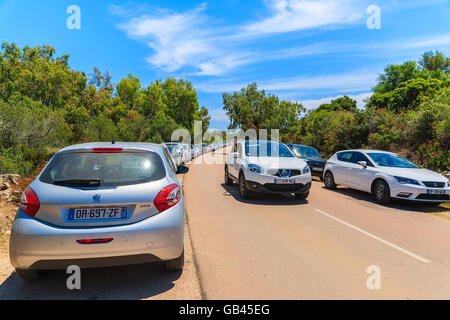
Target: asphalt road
276 247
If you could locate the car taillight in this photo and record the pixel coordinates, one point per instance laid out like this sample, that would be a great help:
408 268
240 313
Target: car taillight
30 202
168 197
107 150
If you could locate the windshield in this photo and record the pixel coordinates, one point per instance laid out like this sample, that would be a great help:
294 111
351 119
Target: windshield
306 151
392 160
267 149
109 169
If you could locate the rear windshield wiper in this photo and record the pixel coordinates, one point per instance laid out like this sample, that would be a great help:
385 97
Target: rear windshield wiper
79 182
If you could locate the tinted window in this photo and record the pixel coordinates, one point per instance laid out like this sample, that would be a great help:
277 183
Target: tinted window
306 151
267 149
345 156
113 169
358 156
392 160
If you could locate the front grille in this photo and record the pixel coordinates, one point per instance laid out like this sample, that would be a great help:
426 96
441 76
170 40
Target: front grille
424 196
290 173
284 187
431 184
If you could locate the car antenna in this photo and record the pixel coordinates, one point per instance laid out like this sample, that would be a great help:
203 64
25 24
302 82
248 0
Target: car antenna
113 140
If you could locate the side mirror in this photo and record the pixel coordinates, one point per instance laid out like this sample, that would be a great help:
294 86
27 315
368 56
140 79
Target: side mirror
363 163
234 155
182 169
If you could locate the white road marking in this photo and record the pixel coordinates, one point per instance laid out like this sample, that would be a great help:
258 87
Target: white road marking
374 237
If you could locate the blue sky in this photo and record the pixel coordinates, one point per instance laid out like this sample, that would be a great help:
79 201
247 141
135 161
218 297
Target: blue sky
301 50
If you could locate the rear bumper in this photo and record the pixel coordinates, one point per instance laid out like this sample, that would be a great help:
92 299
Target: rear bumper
37 245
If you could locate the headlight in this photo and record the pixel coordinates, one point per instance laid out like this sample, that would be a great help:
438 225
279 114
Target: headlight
306 170
406 181
254 168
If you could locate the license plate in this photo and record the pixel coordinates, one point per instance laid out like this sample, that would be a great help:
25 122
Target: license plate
436 191
284 181
317 169
97 213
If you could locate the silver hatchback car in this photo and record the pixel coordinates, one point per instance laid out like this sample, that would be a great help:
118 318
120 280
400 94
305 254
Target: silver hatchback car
100 205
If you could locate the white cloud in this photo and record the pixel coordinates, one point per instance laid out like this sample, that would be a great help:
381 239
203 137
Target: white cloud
182 40
191 41
218 115
360 80
314 103
433 42
294 15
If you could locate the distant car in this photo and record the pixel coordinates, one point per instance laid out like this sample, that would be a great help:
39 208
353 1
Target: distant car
99 205
386 175
175 153
311 156
266 166
187 153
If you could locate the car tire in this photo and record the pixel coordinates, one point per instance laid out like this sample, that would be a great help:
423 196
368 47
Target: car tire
228 180
302 196
175 264
381 192
329 180
27 275
243 190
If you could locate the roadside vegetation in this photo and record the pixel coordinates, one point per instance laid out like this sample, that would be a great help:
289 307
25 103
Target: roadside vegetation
409 113
45 105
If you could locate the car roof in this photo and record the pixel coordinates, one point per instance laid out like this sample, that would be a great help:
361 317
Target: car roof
300 145
242 141
366 151
123 145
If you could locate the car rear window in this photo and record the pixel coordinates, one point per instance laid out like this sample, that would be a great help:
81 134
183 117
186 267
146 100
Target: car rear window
110 169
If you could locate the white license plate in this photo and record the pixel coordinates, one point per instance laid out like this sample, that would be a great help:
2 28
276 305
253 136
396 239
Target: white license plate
98 213
436 191
317 169
284 181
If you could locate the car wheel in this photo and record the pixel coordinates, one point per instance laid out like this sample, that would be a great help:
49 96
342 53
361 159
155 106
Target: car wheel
329 180
302 196
381 192
27 274
228 180
175 264
243 190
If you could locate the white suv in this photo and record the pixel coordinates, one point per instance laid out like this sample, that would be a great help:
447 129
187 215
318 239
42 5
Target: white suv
267 166
386 175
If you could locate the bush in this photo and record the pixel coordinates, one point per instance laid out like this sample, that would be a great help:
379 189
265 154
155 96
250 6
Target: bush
13 161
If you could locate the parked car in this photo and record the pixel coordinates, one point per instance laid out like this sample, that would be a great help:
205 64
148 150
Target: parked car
186 150
98 205
266 166
175 153
386 175
311 156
